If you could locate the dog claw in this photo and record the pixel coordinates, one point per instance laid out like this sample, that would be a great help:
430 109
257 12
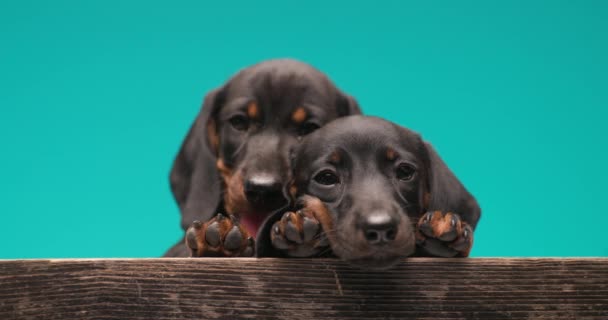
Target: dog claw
429 216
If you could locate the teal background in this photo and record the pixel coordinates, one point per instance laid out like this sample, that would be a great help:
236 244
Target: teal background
96 96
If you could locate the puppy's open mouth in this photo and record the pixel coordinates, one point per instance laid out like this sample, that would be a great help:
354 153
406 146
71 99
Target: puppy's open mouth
254 219
253 222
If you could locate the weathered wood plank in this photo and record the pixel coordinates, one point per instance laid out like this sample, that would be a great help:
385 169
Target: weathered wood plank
303 289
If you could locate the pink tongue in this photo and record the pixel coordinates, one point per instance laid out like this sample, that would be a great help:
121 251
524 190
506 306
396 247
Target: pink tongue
252 223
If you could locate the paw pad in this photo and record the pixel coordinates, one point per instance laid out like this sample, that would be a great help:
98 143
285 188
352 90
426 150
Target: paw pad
221 236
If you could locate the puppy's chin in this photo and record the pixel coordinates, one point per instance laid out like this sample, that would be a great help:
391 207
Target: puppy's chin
380 258
375 263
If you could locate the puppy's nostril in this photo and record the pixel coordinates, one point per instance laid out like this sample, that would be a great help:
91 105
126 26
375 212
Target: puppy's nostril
372 236
262 191
380 236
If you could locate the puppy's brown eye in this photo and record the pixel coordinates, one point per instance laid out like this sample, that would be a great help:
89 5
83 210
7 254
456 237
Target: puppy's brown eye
307 128
327 177
405 172
239 122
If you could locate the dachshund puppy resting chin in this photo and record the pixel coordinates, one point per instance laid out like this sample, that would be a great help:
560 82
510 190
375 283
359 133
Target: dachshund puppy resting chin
371 192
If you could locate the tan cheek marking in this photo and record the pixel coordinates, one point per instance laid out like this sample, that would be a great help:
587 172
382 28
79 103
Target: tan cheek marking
223 169
235 201
253 111
234 194
225 173
293 190
390 154
212 136
299 115
219 164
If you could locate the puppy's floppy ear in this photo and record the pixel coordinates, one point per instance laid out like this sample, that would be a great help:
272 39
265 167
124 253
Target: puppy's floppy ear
194 178
347 105
446 193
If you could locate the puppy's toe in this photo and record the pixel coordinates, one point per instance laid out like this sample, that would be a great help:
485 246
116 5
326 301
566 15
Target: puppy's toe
249 250
293 231
464 241
310 228
212 235
234 239
193 238
278 237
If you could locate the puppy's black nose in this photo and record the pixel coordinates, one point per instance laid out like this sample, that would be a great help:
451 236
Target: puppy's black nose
263 189
380 228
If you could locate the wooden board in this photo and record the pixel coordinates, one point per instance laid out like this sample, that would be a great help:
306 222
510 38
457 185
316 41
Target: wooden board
418 288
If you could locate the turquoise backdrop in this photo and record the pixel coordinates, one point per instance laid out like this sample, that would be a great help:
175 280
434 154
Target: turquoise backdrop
96 96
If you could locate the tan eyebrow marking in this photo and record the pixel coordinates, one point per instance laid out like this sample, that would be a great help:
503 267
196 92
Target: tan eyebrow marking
335 157
253 111
390 154
299 115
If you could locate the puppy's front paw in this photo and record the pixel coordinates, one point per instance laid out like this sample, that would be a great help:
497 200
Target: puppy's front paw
222 236
444 235
299 234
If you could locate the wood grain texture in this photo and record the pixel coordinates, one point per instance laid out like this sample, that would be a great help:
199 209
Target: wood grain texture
418 288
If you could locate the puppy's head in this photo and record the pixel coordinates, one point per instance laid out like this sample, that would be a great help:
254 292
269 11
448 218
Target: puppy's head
236 154
368 181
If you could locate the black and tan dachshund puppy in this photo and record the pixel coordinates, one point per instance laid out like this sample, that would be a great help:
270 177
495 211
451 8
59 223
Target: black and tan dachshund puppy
371 193
233 167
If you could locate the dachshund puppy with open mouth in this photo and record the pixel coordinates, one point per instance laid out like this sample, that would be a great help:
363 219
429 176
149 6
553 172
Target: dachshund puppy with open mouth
233 167
371 193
